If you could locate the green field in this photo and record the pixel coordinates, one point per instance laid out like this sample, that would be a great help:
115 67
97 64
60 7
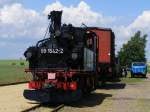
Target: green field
148 67
12 71
129 80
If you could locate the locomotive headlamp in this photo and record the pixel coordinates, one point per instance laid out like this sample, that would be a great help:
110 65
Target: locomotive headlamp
74 56
28 55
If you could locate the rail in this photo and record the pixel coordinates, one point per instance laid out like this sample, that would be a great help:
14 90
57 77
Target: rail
55 109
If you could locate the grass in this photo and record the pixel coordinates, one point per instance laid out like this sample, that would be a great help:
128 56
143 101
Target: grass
12 71
130 80
148 67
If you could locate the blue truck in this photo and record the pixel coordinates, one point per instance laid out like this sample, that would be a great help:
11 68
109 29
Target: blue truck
138 68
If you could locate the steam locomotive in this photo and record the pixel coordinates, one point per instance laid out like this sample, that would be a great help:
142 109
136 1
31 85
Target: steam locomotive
70 62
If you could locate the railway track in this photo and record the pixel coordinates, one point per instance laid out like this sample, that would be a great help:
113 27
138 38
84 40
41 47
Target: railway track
54 109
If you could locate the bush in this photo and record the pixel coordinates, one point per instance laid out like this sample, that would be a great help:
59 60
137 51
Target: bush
22 63
13 63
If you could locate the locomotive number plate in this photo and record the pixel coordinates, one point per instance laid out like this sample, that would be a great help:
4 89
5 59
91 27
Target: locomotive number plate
51 75
52 51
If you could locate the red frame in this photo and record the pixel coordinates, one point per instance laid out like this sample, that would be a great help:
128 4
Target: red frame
57 84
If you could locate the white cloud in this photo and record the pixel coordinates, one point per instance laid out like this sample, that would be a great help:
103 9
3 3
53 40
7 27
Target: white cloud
142 23
17 22
82 13
20 24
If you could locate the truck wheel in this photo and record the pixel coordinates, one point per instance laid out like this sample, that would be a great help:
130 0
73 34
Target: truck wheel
144 75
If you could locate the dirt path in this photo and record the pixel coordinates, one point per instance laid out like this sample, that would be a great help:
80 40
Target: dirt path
12 100
117 97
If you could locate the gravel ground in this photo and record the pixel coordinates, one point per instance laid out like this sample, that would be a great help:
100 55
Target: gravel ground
98 101
115 97
118 97
134 98
12 100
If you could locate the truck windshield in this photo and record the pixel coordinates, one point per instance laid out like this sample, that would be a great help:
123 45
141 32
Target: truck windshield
139 64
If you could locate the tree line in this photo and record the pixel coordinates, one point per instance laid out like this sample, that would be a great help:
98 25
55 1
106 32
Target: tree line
133 50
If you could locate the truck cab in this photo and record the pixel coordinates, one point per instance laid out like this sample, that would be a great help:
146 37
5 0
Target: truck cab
138 68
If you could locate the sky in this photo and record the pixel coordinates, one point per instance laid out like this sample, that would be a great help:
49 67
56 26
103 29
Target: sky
24 22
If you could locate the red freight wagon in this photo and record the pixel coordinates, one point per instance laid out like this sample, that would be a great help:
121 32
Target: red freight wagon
106 52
